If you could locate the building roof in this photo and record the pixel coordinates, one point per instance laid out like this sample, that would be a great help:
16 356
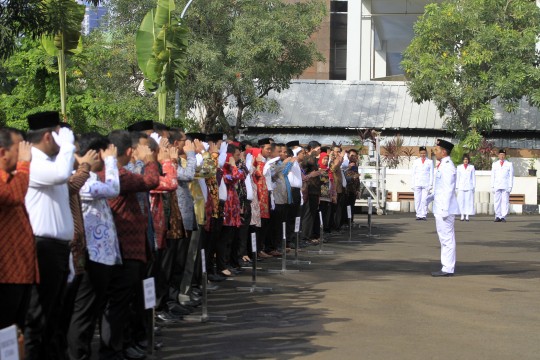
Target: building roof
380 105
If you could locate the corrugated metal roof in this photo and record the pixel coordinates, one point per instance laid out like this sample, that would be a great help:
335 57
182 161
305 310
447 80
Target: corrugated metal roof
408 140
358 104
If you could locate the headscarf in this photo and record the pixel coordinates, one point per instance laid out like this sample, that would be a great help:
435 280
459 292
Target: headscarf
325 167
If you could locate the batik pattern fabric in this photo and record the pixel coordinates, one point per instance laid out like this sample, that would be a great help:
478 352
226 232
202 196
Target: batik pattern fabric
101 237
186 174
231 176
18 260
78 244
167 183
262 189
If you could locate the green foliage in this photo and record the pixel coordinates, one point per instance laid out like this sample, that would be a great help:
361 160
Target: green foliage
241 50
30 18
465 54
66 39
161 51
103 83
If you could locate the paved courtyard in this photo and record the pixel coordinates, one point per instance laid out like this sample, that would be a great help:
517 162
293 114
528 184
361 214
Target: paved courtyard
377 300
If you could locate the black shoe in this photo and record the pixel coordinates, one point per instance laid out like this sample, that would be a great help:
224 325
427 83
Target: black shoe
133 353
190 303
166 317
424 219
142 346
441 274
196 291
212 287
467 220
503 220
461 219
497 220
216 277
178 310
157 330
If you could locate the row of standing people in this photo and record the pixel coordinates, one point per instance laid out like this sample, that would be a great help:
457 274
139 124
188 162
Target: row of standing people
143 203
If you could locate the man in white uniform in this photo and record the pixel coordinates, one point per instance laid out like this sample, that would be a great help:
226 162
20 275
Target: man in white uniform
422 181
445 206
502 180
47 202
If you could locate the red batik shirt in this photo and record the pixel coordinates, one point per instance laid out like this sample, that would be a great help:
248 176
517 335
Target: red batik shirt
18 261
167 183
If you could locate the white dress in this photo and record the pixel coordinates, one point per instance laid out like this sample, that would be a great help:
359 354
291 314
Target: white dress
465 185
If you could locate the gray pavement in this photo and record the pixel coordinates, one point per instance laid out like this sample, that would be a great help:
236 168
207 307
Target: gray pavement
377 300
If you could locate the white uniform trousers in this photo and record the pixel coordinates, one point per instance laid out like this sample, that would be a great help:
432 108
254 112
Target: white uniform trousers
465 201
447 238
502 202
420 195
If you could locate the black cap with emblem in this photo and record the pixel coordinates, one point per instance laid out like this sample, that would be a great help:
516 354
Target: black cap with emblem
447 145
422 148
502 151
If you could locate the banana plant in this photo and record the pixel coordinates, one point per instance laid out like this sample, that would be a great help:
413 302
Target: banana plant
161 44
67 16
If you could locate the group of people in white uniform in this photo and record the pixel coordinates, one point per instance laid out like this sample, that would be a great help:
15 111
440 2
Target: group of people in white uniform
440 185
502 175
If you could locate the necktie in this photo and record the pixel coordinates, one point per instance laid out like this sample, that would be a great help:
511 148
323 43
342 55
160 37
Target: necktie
423 159
502 162
465 165
439 164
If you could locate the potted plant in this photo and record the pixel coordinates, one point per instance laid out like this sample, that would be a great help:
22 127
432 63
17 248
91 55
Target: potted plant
532 168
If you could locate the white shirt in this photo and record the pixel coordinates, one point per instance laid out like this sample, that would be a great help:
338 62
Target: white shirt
502 177
466 178
100 230
295 176
268 174
47 199
444 195
422 173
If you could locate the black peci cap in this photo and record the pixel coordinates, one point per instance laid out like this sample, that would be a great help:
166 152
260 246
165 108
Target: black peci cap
293 143
422 148
445 145
264 141
215 137
141 126
43 120
196 136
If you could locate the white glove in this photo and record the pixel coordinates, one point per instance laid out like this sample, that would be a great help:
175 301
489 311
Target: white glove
64 137
156 137
444 214
429 198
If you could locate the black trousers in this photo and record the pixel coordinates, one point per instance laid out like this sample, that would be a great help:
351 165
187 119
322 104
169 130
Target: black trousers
223 247
338 211
14 304
314 211
89 303
350 201
263 234
125 282
45 307
167 260
293 212
278 217
212 238
325 207
244 234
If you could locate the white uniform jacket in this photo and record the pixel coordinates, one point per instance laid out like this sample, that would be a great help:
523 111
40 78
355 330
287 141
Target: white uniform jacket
466 178
422 174
444 189
502 176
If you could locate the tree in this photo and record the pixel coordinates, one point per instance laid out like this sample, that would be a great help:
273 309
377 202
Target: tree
66 40
239 51
30 18
161 50
466 54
